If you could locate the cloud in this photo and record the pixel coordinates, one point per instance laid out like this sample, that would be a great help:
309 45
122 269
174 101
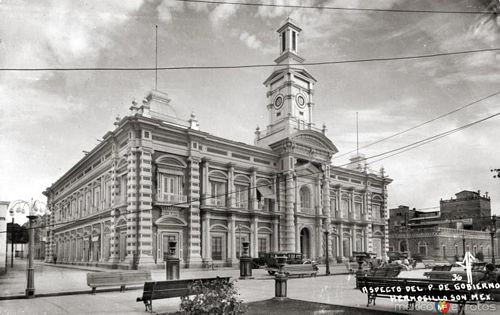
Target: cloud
251 41
166 8
222 13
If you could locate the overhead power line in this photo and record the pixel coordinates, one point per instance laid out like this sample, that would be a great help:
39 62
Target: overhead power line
419 143
275 5
319 63
394 151
419 125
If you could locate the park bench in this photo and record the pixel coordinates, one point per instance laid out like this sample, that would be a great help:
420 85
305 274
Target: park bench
385 272
156 290
300 270
116 278
410 290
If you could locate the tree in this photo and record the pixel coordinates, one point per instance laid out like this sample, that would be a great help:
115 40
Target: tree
17 234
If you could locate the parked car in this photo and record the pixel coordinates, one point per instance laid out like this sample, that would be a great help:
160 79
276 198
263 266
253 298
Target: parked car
271 263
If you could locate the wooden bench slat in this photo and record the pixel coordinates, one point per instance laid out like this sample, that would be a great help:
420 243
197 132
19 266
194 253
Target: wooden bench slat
170 288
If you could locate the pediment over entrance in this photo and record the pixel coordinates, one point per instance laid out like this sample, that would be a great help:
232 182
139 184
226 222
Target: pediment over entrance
170 221
315 140
307 169
307 144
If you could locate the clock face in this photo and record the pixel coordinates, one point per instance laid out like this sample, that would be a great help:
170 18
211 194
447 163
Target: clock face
278 102
301 101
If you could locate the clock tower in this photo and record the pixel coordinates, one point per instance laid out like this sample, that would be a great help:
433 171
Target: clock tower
289 89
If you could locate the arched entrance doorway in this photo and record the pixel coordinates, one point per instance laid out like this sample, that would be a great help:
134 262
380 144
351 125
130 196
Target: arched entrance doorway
304 243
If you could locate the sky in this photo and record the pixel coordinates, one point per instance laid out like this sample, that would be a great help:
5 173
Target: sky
48 118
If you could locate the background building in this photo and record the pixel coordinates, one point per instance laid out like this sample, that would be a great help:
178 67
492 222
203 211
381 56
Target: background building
458 226
156 178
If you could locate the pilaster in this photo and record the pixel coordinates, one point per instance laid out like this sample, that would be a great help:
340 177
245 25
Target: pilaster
194 234
144 206
289 239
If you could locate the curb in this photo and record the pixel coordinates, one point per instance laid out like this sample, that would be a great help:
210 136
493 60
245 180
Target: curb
89 292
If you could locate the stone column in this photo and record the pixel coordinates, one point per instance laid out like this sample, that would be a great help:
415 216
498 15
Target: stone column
230 185
254 227
318 207
327 208
289 239
275 236
297 238
194 236
206 255
354 246
385 247
145 203
253 189
101 239
49 248
132 206
205 183
232 241
341 240
114 241
369 227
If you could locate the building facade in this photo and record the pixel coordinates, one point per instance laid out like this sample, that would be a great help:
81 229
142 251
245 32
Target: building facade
458 226
156 179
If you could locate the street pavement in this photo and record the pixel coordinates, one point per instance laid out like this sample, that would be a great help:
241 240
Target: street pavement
335 289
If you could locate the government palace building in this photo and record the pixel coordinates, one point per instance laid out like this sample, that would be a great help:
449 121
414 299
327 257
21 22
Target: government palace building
156 179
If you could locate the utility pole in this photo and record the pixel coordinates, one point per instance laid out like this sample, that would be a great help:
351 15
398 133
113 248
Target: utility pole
406 232
493 231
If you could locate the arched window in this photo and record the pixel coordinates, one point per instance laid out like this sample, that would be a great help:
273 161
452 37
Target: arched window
305 199
402 247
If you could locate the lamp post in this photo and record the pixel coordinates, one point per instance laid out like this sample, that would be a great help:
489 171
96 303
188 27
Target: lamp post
33 209
327 233
11 211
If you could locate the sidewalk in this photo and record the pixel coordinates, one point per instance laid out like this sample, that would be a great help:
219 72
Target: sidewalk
60 279
337 289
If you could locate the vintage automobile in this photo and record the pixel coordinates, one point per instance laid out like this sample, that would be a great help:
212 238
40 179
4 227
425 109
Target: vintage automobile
271 264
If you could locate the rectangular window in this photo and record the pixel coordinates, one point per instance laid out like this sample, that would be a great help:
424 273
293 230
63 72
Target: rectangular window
88 204
241 196
357 210
218 193
170 188
97 198
376 212
217 247
294 41
344 208
262 245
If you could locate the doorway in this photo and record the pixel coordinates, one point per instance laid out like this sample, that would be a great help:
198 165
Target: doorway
304 242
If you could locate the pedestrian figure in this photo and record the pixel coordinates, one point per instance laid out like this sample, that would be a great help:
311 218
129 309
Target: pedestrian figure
467 264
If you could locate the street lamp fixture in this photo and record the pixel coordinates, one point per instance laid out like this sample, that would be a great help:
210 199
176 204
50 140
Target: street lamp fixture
32 210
